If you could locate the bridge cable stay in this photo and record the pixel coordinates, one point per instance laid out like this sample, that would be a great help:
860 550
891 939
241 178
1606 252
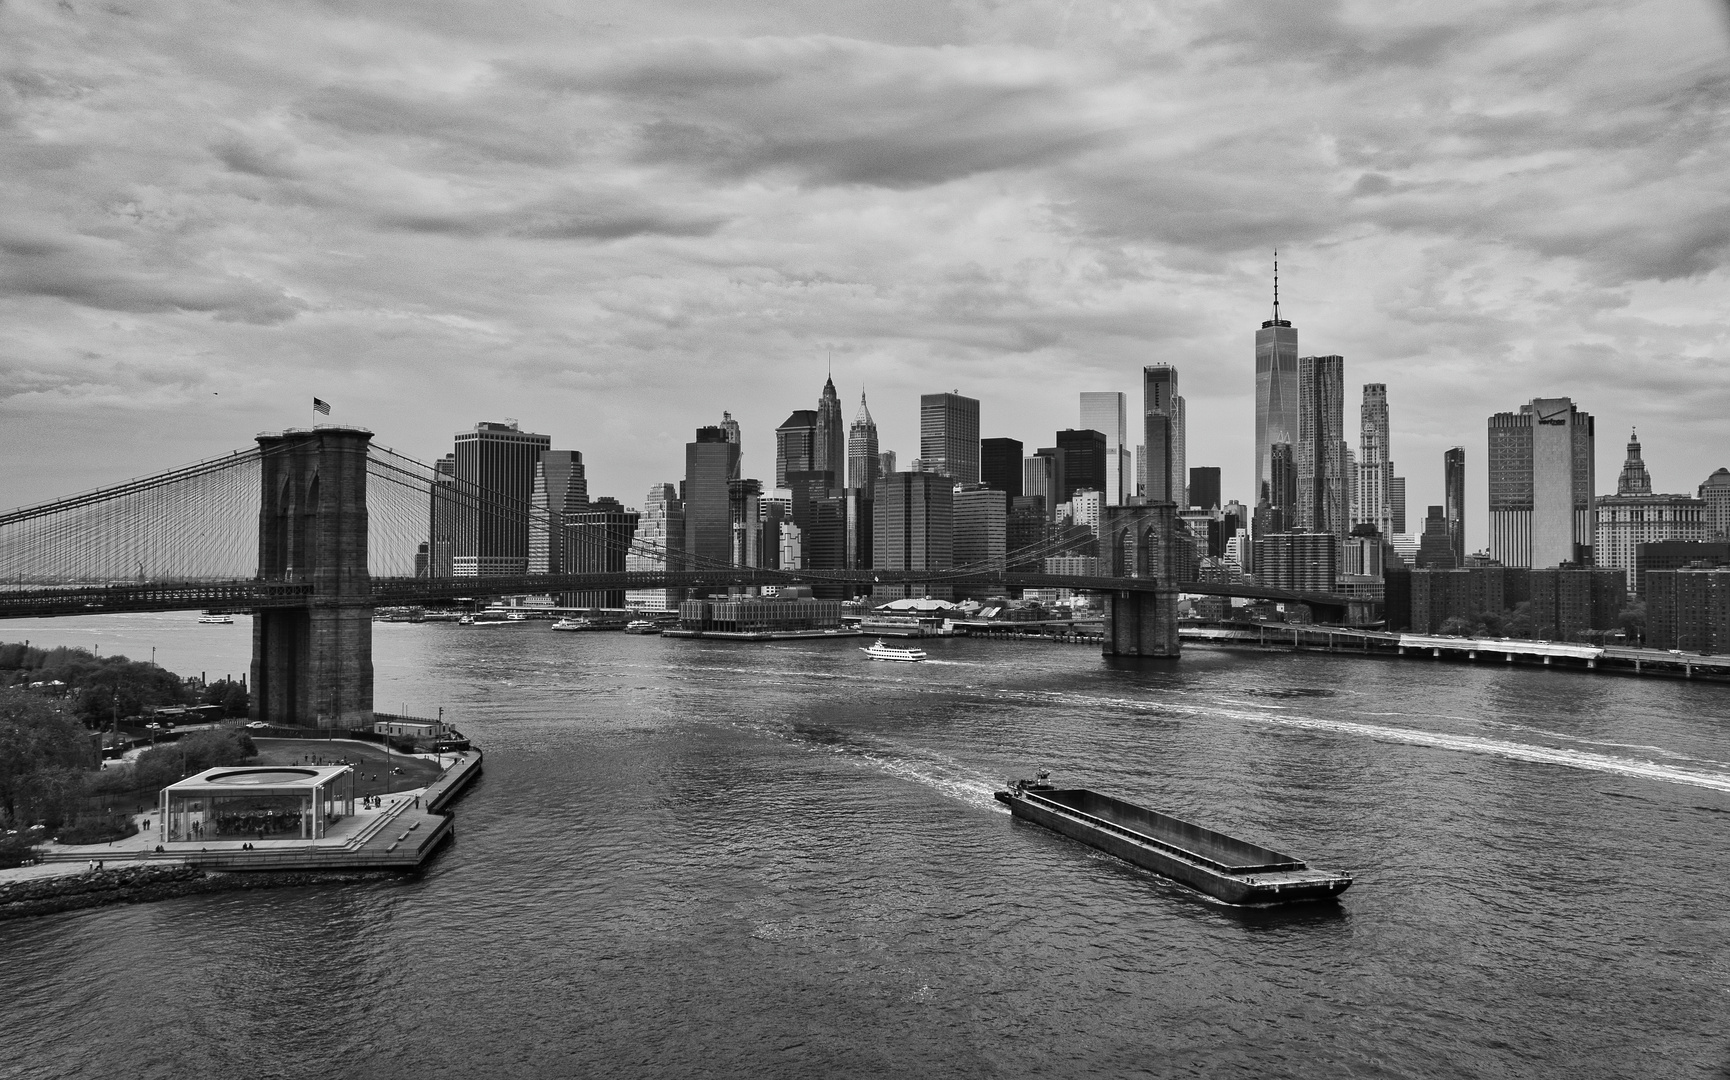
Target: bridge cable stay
193 523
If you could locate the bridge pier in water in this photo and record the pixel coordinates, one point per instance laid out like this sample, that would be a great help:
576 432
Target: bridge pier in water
312 665
1136 542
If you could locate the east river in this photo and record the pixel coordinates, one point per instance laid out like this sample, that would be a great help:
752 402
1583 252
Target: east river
696 859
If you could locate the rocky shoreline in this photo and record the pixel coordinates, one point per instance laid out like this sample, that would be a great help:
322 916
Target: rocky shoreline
141 884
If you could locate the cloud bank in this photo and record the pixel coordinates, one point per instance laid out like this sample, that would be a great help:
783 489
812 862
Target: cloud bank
614 222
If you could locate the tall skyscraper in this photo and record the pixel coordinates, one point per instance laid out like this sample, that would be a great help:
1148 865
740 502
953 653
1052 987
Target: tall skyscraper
1563 470
730 428
1000 467
660 539
710 461
1180 452
744 517
829 449
949 436
1204 487
1041 479
560 489
495 477
1397 505
913 529
795 445
1085 462
1351 475
1454 500
1322 491
1540 484
1276 401
597 540
980 516
1107 412
1376 469
885 463
864 463
446 512
1162 433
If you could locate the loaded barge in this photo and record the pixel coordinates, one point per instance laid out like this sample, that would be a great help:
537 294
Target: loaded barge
1224 867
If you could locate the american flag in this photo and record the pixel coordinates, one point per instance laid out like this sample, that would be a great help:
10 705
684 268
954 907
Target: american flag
319 406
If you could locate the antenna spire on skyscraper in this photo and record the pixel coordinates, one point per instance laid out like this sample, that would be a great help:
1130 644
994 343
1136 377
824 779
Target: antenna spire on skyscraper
1276 285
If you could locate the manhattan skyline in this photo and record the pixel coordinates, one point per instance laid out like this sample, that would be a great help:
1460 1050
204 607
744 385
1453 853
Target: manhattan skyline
614 231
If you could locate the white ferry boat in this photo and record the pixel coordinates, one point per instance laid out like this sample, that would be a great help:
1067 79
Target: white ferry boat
880 651
641 626
216 619
573 624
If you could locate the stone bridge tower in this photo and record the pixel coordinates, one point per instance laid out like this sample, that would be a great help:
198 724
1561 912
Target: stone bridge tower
312 665
1136 541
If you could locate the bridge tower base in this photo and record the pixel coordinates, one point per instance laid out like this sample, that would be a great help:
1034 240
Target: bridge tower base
1143 542
312 666
1141 624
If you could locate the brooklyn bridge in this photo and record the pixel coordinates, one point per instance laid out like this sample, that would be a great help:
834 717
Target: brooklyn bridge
311 530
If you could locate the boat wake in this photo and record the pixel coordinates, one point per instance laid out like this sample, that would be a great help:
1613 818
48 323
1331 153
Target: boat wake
1515 751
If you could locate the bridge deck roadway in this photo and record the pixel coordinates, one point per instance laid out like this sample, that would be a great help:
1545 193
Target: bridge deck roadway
89 599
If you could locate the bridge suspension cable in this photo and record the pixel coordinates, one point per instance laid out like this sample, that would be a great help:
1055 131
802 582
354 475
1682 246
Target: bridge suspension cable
194 522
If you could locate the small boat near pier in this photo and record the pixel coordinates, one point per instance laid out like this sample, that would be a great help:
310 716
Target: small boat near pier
1224 867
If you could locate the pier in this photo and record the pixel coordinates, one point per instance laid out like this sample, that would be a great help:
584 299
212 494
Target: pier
1607 659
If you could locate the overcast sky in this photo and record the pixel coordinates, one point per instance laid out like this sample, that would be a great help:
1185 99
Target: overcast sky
612 221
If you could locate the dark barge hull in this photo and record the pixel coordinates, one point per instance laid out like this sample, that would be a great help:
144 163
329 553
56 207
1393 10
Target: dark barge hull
1224 867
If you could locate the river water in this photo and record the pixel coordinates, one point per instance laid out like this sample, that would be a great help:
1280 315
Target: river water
705 859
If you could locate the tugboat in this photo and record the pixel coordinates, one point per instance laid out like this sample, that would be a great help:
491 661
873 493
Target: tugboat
1224 867
880 651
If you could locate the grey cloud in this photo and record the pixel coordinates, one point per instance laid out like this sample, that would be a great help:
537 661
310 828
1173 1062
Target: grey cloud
573 218
94 274
1318 33
478 125
832 112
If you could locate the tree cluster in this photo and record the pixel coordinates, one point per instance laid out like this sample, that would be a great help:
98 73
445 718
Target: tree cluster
98 687
44 756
